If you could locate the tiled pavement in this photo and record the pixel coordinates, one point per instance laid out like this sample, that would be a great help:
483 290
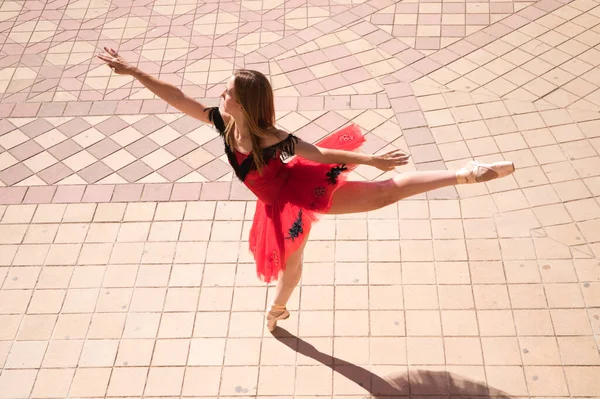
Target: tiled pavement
124 270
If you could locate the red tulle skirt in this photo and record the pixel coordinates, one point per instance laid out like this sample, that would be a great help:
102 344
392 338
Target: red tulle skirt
280 229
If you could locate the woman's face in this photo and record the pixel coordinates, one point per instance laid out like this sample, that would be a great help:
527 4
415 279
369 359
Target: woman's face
230 104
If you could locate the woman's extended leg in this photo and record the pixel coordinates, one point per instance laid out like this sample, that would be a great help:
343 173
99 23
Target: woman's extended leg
286 283
356 197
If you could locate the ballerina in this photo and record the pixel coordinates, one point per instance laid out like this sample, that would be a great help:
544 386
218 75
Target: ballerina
291 196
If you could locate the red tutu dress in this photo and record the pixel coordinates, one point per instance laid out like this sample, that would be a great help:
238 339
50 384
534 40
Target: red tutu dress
291 196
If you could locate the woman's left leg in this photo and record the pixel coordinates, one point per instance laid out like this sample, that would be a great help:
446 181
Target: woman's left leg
286 283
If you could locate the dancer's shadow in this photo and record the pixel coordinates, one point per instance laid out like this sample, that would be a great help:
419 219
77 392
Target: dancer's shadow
416 383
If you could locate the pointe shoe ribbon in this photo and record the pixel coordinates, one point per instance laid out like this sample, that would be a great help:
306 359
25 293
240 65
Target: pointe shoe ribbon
476 172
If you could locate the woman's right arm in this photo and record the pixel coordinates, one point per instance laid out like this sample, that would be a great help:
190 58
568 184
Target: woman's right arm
171 94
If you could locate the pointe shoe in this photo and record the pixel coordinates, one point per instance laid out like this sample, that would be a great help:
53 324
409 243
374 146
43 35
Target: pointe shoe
277 312
475 172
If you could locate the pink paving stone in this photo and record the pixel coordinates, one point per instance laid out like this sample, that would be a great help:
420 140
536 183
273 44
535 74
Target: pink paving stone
336 52
135 171
98 193
118 94
148 125
531 13
6 110
215 191
480 38
364 9
68 194
52 109
425 65
6 126
142 147
497 30
272 50
39 195
378 37
310 103
337 102
515 21
15 174
430 19
418 136
444 56
393 46
65 149
404 30
357 75
127 193
26 150
36 128
90 96
382 19
502 8
309 34
295 63
103 107
454 8
70 84
363 101
383 101
186 191
327 26
291 42
373 143
453 31
111 125
74 127
347 63
128 107
153 106
310 88
55 173
407 74
214 170
157 192
363 28
548 5
330 121
478 19
95 172
409 56
12 195
405 104
239 192
286 103
427 43
180 147
186 124
300 76
25 110
174 170
333 82
412 119
462 47
401 89
345 18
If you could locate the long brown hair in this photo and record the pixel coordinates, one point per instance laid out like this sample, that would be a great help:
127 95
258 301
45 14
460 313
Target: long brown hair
253 91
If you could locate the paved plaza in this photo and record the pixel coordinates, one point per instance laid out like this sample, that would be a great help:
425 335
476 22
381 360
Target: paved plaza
124 262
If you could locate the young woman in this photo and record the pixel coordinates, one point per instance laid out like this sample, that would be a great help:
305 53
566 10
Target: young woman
292 195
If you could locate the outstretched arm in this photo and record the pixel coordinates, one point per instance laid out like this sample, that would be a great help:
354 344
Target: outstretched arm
171 94
385 162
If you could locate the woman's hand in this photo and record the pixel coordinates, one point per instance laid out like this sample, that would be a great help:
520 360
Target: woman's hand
390 160
116 62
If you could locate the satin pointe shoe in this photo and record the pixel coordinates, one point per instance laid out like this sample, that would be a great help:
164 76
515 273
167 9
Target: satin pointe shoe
476 172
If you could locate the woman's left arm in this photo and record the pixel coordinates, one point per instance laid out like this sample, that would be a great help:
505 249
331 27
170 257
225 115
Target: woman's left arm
385 162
